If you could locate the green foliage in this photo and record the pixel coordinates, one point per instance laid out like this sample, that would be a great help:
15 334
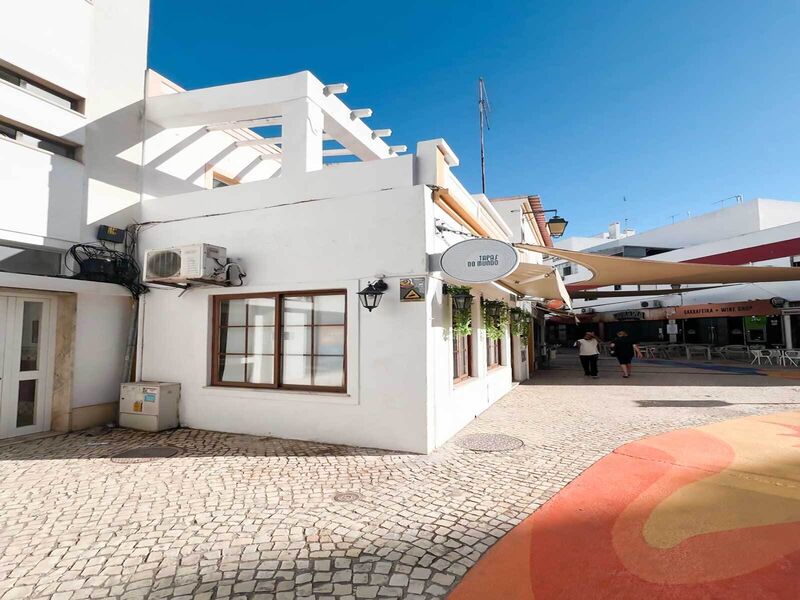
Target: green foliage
521 326
495 326
462 319
462 323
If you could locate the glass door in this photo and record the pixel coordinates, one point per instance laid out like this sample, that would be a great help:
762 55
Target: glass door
25 361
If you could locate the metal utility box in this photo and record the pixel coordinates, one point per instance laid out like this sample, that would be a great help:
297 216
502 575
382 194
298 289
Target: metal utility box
149 405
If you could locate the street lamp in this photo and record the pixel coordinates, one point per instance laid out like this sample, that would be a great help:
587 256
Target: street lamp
493 308
555 225
371 295
462 299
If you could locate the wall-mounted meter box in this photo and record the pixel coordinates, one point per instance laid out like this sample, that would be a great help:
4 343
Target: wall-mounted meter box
149 405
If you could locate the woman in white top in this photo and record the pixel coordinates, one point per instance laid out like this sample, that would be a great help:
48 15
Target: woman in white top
589 351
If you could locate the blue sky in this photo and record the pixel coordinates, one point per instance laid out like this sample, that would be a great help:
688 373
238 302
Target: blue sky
673 105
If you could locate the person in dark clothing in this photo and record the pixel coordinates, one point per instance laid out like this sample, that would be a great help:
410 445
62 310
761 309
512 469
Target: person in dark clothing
624 349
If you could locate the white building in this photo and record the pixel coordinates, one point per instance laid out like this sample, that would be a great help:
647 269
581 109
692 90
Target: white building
759 232
301 192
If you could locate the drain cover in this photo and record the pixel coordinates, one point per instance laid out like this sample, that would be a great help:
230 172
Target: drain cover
347 497
145 454
489 442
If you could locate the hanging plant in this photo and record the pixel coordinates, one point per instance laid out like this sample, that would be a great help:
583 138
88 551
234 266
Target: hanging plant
520 323
462 317
495 318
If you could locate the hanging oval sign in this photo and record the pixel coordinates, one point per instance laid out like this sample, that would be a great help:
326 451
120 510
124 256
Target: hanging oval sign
479 260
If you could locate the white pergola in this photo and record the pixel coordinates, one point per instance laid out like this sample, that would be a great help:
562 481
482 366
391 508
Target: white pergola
307 111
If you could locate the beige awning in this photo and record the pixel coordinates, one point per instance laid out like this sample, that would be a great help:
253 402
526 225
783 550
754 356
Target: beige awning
536 281
615 270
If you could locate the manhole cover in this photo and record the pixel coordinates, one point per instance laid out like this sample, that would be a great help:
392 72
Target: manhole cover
489 442
145 454
347 497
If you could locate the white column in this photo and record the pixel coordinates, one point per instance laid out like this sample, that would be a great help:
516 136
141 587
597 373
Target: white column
303 122
787 332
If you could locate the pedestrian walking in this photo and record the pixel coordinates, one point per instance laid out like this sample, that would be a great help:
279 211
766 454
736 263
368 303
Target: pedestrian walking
589 352
624 349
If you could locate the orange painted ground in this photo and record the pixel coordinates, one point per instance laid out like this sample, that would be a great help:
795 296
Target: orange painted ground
712 512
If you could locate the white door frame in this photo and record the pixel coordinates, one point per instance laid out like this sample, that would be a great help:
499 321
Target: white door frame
9 386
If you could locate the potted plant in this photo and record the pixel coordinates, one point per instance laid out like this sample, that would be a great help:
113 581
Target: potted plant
520 323
462 309
495 318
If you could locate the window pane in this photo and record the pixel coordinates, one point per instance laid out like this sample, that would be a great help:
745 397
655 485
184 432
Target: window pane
297 340
26 403
296 370
261 311
232 312
329 371
32 262
48 95
31 318
231 340
10 77
261 369
329 340
8 131
231 368
297 310
329 309
260 340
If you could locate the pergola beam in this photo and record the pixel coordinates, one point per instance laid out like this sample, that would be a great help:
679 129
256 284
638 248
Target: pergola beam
246 124
337 152
260 142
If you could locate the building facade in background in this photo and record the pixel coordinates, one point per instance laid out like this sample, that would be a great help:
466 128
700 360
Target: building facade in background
759 232
309 201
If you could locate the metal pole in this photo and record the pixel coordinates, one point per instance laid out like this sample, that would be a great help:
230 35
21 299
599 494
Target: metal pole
480 111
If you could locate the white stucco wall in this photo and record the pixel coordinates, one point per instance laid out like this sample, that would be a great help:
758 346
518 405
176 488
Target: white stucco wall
102 326
339 242
40 196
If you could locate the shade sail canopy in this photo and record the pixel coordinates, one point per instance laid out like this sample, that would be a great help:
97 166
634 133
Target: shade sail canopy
615 270
536 281
591 294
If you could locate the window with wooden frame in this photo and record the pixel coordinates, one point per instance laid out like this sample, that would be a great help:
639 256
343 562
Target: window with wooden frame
41 88
308 354
493 352
34 139
462 356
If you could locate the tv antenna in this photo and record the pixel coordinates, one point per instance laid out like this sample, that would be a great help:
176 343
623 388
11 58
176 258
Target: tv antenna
483 110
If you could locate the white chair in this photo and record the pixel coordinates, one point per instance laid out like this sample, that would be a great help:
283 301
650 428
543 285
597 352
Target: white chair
791 356
759 355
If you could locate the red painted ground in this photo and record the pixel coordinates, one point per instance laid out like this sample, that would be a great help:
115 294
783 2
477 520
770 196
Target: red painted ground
701 513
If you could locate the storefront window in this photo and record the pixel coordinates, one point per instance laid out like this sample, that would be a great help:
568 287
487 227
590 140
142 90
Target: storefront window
493 352
462 356
309 353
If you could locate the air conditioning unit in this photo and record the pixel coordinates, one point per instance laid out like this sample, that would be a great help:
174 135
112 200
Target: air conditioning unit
195 262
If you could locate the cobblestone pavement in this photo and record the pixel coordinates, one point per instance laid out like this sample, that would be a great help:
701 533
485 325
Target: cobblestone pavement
235 516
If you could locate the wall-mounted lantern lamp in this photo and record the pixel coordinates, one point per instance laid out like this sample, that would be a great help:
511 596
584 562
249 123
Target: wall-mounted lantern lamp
555 225
517 315
462 299
493 308
371 295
